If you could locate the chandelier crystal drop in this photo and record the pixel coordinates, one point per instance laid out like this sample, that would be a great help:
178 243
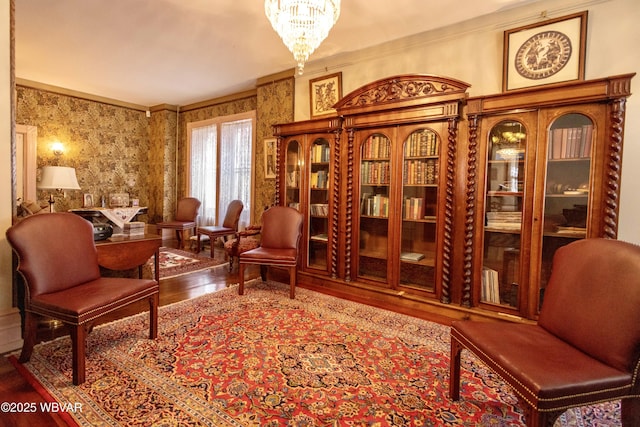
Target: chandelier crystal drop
302 24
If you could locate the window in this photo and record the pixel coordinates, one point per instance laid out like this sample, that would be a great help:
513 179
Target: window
220 165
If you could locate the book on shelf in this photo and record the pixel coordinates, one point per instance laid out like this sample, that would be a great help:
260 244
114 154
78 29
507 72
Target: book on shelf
322 237
571 143
504 220
320 153
574 231
319 209
376 147
490 291
411 256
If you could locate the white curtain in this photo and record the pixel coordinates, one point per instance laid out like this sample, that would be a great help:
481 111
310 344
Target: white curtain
203 171
235 167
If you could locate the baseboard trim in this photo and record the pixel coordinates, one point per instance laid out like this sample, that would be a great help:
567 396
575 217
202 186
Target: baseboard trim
10 331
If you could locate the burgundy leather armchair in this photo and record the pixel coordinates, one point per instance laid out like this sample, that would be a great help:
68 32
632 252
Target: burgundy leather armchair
585 348
279 244
58 262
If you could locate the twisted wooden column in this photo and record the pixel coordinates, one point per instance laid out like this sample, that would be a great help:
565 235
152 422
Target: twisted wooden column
349 208
470 208
447 241
614 166
336 205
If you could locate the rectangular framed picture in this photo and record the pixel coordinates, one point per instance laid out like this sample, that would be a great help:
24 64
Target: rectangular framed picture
544 53
87 200
324 92
270 147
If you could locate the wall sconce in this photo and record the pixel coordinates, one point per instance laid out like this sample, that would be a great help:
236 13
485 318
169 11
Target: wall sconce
58 178
57 148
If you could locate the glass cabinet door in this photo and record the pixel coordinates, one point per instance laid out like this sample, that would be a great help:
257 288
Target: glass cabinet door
567 187
419 210
375 170
318 221
293 163
504 199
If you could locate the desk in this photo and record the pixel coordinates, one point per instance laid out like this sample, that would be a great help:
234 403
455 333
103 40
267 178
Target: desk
127 252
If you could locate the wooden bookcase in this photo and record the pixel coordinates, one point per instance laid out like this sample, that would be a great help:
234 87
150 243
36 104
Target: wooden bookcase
548 161
308 161
413 206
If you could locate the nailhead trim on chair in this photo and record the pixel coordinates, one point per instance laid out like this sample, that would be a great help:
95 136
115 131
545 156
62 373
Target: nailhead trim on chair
135 297
506 374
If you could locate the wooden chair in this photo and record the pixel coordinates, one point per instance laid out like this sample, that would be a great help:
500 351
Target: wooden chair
229 225
585 348
58 262
185 219
279 244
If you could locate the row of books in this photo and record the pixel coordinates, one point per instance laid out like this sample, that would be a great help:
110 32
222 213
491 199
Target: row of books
374 173
418 172
570 143
376 147
490 291
504 220
320 179
423 143
320 153
319 209
413 208
375 205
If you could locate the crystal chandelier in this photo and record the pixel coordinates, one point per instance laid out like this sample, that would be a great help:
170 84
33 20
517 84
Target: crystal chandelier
302 24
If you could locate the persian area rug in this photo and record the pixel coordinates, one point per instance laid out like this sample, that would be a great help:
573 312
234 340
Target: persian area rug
176 262
263 359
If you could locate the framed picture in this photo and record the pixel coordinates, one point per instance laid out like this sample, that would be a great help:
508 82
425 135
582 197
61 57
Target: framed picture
324 92
87 200
547 52
270 147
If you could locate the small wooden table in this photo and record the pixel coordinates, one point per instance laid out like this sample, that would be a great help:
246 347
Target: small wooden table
122 252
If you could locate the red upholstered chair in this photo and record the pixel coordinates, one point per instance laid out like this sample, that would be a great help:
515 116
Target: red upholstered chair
185 219
229 225
585 348
58 262
280 241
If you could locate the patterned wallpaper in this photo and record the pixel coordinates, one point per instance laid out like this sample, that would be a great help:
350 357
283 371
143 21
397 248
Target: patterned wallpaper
108 145
117 149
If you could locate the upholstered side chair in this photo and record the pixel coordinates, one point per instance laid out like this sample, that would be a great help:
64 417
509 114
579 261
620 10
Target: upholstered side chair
58 263
585 348
185 219
279 245
229 225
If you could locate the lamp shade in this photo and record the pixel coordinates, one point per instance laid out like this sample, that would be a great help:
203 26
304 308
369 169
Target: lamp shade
58 178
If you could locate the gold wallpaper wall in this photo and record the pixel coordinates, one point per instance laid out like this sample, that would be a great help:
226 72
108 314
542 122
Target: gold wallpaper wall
108 146
112 147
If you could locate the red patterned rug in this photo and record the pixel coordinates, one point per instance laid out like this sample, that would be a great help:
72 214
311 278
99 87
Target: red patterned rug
176 262
263 359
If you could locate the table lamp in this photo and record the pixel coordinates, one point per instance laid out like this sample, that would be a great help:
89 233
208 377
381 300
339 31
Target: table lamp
58 178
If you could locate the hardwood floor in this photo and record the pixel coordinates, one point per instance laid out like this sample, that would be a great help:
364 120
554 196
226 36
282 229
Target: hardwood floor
15 389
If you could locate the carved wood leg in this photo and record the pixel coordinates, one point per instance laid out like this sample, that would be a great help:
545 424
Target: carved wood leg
263 272
154 301
78 352
29 336
241 274
630 412
454 369
292 282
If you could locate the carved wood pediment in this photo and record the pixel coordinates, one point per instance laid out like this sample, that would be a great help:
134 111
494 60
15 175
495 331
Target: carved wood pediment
401 90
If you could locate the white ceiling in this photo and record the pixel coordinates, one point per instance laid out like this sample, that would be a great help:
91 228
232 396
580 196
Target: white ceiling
151 52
